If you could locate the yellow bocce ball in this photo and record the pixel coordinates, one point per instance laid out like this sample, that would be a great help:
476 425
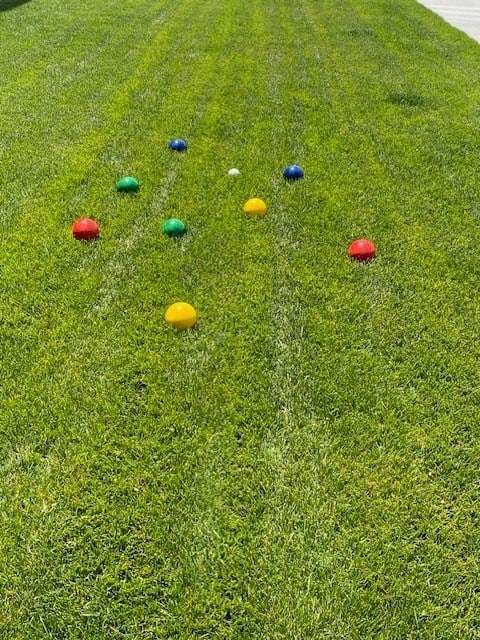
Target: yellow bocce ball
181 315
255 208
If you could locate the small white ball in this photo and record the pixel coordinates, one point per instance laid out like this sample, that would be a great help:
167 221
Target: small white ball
234 172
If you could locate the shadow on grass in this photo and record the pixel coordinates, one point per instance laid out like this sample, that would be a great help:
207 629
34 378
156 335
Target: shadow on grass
6 5
358 32
405 99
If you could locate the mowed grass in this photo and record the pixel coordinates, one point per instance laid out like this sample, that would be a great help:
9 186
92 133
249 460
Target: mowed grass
304 464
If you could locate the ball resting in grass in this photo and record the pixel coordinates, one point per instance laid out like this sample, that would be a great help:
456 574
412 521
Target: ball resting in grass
234 172
293 172
362 250
174 228
127 184
177 145
85 229
255 208
181 315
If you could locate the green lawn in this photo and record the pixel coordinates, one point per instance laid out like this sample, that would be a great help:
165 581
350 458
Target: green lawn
304 465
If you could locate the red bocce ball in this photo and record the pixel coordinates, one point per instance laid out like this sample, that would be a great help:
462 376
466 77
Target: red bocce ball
362 250
85 229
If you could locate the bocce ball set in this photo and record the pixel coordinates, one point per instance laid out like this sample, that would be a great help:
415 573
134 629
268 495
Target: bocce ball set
181 315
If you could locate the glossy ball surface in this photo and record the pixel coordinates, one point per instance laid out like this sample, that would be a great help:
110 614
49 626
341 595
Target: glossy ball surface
255 208
127 184
362 249
181 315
177 145
85 229
174 228
293 172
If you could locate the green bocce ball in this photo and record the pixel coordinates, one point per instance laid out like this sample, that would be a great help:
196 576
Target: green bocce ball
174 228
127 185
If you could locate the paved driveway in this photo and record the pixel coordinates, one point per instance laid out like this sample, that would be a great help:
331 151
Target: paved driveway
464 14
